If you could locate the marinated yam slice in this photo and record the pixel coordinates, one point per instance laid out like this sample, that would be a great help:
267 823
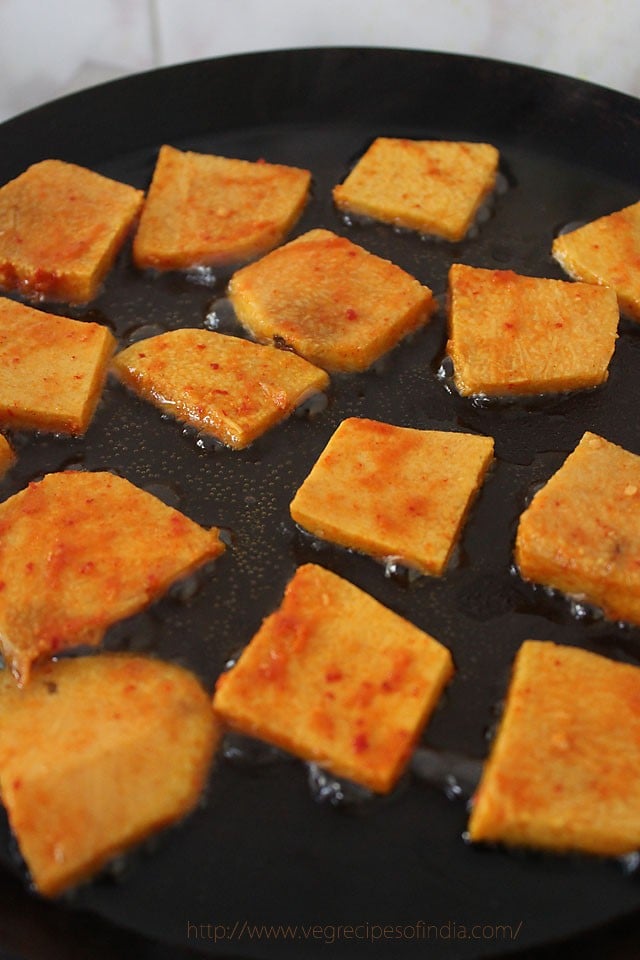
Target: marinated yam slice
207 210
581 532
61 227
335 303
7 456
336 678
53 369
96 754
606 251
231 388
79 551
432 186
393 492
562 774
510 334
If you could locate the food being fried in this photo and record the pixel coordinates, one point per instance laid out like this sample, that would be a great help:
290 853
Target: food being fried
231 388
207 210
432 186
606 251
61 227
336 678
335 303
97 753
562 774
53 369
510 334
393 492
80 551
581 532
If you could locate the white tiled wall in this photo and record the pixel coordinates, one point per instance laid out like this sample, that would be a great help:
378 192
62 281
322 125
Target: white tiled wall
49 47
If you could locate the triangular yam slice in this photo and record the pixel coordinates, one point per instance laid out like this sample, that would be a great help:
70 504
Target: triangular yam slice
231 388
80 551
97 753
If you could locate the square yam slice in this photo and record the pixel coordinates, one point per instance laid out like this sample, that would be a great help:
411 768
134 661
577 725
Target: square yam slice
563 772
7 456
393 492
606 251
336 678
581 532
96 754
511 334
53 369
335 303
80 551
208 210
231 388
432 186
61 227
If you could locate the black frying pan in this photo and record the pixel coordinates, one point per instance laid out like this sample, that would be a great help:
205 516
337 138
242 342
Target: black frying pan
263 848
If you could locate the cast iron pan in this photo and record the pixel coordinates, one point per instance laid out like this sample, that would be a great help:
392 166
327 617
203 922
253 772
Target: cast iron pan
264 848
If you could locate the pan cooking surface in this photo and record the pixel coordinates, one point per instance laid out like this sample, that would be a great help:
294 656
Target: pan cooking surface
273 842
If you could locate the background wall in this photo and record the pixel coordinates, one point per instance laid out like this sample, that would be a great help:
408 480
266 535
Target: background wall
51 47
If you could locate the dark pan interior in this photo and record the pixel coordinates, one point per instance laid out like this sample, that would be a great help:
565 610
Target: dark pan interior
264 848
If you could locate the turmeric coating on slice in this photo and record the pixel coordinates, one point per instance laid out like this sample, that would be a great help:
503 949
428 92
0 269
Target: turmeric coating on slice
61 227
336 678
393 492
563 772
80 551
581 532
606 251
228 387
96 754
53 369
510 334
209 210
332 301
433 186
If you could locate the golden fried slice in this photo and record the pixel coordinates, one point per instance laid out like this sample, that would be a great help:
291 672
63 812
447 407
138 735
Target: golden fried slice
53 369
332 301
563 771
336 678
606 251
393 492
79 551
510 334
231 388
61 227
208 210
7 456
427 185
96 754
581 532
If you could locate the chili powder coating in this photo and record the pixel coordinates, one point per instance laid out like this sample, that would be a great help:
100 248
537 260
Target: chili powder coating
336 678
61 227
564 770
394 492
80 551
